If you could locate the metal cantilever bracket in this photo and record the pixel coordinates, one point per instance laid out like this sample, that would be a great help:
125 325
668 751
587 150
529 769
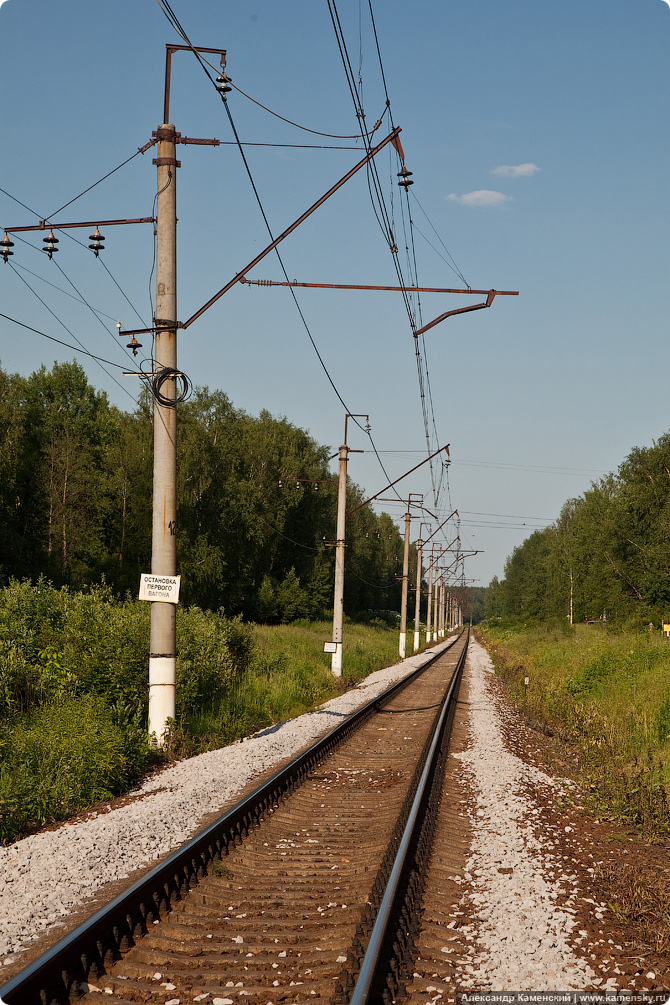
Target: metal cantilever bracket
459 310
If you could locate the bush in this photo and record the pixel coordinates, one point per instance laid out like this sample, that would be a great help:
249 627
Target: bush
58 642
213 652
65 756
74 690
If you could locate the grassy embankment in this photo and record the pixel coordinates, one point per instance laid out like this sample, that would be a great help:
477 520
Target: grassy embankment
287 674
74 692
608 694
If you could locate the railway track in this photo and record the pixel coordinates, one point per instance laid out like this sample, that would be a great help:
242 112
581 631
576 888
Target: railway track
309 889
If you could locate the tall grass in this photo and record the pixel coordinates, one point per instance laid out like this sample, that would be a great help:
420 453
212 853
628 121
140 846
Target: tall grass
288 674
609 694
74 691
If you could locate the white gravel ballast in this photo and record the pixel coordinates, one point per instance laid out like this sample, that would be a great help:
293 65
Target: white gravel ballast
48 875
520 892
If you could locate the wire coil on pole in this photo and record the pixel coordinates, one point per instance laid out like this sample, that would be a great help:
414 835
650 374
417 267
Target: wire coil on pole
182 386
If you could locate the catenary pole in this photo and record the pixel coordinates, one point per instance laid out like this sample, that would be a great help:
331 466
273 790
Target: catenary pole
162 656
340 545
429 600
417 600
402 643
441 621
338 599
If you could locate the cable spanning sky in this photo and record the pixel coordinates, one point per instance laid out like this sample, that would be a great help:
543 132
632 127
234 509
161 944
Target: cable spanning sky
536 135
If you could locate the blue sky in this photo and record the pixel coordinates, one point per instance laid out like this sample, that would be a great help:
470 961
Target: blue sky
537 137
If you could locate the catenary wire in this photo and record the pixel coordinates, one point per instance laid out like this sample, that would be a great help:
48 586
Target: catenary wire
71 236
375 586
59 288
70 333
453 266
14 199
378 202
501 464
81 244
78 292
290 122
174 21
141 150
169 13
316 132
68 345
98 359
444 468
91 355
122 292
439 254
307 547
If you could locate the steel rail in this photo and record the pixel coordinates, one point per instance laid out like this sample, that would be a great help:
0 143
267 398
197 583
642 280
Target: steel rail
376 965
61 974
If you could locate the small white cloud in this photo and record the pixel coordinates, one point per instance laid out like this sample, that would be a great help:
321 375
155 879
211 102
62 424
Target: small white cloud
483 197
516 170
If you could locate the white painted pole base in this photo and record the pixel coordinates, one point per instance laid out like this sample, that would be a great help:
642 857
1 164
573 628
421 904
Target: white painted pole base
416 641
402 641
336 662
162 680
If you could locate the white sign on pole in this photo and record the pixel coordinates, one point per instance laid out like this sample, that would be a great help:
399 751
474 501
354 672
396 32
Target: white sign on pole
330 647
163 588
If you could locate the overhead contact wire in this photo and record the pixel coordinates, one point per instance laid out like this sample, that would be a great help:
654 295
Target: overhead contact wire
70 333
165 6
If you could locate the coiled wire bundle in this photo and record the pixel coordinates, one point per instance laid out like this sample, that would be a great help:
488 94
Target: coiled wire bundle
182 386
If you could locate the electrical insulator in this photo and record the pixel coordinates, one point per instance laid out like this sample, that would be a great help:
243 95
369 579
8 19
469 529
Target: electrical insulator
5 245
51 243
280 483
223 83
97 246
134 345
405 178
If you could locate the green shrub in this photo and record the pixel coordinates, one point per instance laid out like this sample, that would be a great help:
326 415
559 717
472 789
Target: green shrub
213 652
63 757
74 690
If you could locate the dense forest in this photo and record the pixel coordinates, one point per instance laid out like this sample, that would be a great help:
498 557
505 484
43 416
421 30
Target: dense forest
608 554
75 503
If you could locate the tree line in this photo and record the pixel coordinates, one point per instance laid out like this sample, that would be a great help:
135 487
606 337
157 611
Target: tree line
608 554
253 532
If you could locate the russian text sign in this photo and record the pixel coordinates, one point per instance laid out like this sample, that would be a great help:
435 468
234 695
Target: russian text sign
162 588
